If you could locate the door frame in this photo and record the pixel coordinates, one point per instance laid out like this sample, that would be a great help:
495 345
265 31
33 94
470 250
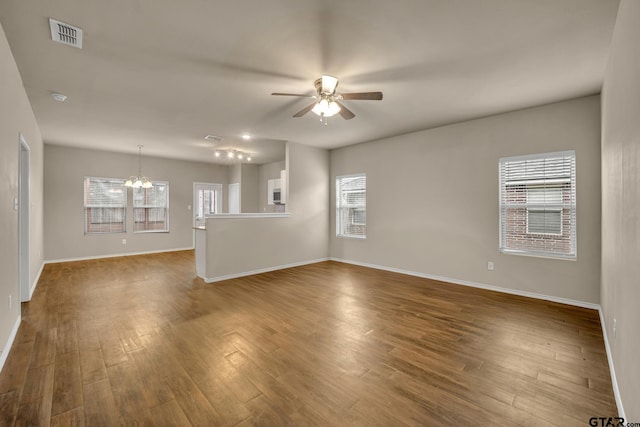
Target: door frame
194 206
23 218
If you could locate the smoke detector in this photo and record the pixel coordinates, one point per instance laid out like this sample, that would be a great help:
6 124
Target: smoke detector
65 33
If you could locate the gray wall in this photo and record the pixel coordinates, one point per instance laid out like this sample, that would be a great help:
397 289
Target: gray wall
16 116
432 199
249 186
621 204
64 169
236 246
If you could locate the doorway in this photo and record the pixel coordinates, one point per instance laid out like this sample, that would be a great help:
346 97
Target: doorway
23 219
207 200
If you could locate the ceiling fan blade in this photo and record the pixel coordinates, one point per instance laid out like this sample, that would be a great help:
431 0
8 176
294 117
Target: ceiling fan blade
329 84
345 112
293 94
305 110
373 96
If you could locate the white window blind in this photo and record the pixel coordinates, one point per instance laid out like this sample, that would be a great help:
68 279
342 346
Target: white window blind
351 206
538 205
151 208
105 204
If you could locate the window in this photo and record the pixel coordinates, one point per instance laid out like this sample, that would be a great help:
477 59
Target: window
151 208
105 204
351 206
538 205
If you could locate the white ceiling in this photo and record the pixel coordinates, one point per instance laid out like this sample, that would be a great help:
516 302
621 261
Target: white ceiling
165 73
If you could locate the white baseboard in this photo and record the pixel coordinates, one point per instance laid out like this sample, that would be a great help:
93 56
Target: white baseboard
614 380
54 261
262 270
35 281
9 343
475 284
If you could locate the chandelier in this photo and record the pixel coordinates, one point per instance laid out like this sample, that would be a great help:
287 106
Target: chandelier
139 181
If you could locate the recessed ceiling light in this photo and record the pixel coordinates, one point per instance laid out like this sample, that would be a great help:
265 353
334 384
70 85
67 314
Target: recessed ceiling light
246 136
217 154
59 97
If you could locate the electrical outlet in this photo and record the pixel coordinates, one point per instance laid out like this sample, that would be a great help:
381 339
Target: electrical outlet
490 265
124 241
615 331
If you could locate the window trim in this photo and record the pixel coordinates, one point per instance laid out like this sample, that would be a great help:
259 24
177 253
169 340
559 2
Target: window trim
355 206
166 208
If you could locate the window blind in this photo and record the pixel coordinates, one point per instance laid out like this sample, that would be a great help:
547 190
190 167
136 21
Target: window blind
351 206
538 204
105 203
151 208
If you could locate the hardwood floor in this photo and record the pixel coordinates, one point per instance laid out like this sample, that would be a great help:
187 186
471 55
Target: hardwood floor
140 341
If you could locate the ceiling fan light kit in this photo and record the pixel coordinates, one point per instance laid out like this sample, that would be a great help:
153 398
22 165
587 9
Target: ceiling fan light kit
326 108
327 102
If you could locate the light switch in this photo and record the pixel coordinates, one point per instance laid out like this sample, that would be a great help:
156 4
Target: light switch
15 203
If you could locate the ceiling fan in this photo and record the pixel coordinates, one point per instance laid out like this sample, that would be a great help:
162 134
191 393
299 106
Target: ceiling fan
328 103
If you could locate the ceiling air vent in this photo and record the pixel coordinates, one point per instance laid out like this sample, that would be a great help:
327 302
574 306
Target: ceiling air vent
213 138
65 33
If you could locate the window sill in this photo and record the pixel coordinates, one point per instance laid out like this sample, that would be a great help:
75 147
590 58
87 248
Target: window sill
348 236
539 255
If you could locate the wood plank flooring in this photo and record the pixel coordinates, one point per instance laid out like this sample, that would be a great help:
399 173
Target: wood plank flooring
141 341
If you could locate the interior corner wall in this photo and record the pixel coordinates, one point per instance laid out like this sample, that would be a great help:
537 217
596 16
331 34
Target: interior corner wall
432 200
621 205
16 117
64 170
